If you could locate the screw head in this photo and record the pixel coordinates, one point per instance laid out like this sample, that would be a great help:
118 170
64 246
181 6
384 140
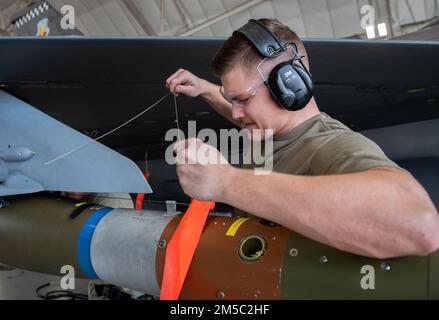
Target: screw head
294 252
385 266
220 295
162 243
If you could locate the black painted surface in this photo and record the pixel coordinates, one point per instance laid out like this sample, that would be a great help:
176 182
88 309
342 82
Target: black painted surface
94 84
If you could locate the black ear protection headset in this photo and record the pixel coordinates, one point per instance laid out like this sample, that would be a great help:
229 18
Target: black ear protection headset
290 84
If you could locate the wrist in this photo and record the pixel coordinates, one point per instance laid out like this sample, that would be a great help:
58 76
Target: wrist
206 89
227 182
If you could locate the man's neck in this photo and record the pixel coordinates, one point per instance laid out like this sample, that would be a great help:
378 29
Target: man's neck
295 118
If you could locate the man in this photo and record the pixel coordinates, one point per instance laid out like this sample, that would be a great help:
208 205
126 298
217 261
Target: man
330 184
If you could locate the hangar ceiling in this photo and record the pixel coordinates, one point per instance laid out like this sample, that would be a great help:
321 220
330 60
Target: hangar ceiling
309 18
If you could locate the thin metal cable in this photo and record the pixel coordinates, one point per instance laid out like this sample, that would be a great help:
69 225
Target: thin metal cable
176 117
106 134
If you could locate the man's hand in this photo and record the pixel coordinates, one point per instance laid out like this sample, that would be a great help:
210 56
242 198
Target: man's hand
185 82
202 170
190 85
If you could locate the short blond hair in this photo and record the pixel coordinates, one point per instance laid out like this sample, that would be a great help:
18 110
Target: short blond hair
237 50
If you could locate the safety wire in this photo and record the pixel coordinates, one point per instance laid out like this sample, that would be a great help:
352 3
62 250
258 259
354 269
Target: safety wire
176 117
119 127
106 134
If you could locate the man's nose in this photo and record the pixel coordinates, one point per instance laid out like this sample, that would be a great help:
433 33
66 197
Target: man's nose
237 112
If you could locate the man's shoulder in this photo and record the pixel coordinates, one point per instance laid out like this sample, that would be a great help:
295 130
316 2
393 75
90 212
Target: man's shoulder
322 130
347 152
326 123
310 135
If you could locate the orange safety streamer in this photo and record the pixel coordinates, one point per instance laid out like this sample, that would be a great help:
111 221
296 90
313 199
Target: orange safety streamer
141 196
181 248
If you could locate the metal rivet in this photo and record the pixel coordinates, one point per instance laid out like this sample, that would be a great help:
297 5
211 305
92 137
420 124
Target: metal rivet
386 266
323 259
294 252
162 243
220 294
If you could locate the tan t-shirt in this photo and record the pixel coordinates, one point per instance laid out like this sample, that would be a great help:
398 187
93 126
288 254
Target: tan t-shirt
323 146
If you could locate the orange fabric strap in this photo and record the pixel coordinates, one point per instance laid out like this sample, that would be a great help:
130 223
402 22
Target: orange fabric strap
181 248
141 196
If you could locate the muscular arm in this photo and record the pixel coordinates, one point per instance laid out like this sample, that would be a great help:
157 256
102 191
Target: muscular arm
382 212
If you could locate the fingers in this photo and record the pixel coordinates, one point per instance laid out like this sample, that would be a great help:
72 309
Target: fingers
179 151
195 151
186 151
177 78
182 81
171 82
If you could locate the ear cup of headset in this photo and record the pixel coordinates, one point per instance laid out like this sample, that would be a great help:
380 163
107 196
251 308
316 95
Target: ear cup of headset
290 85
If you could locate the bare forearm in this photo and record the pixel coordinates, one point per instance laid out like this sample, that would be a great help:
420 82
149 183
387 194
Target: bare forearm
213 97
362 213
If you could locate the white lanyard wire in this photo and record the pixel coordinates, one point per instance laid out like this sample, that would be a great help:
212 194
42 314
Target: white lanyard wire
117 128
176 117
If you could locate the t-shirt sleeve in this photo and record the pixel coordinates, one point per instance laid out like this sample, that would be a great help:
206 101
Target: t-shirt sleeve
349 152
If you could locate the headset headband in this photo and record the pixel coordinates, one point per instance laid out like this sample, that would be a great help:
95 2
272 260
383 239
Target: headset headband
262 39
